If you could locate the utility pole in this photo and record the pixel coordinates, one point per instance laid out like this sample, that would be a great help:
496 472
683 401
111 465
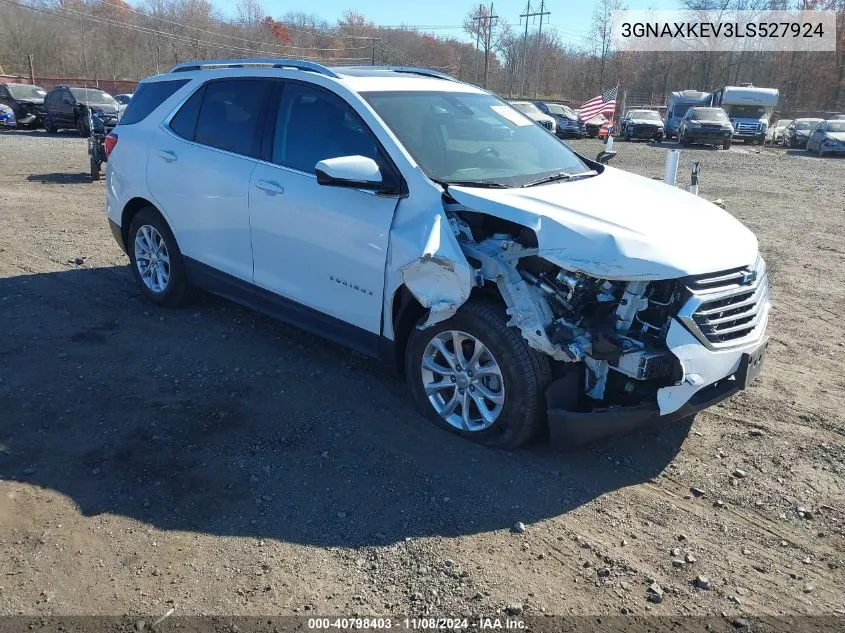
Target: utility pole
541 13
479 16
525 15
488 41
532 14
31 70
373 63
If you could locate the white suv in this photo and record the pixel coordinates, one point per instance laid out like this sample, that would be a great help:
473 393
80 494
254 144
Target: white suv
426 222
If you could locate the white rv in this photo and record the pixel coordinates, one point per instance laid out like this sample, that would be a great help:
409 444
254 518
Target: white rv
749 109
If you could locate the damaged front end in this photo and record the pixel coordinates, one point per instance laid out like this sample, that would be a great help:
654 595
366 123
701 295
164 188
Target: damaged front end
622 354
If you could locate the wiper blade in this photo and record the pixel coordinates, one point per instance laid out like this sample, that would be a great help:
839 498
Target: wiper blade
485 184
561 176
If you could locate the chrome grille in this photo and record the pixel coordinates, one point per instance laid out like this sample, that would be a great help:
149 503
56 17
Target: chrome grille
728 309
748 127
546 124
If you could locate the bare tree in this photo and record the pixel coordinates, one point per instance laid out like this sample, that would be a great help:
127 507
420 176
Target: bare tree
602 31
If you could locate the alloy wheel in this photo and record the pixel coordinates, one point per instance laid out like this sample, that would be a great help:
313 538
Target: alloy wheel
152 258
463 381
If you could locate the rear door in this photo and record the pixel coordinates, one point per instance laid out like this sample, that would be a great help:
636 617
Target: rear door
199 167
66 106
321 246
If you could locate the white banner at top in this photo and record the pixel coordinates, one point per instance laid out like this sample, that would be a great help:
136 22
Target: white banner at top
709 31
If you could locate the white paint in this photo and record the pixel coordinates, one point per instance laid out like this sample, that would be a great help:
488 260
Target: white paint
351 169
621 226
608 144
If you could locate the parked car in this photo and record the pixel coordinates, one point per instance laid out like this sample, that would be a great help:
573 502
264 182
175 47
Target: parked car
775 133
516 284
567 122
642 124
122 101
67 107
534 113
705 126
26 102
828 138
593 126
838 117
797 133
7 116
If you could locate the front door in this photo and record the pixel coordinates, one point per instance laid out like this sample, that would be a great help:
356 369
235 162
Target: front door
321 246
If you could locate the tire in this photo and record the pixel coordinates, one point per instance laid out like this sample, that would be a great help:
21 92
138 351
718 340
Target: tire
726 144
627 135
524 374
682 139
82 127
176 291
50 125
95 168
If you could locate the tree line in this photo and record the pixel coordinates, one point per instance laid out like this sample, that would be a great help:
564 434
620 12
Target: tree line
113 40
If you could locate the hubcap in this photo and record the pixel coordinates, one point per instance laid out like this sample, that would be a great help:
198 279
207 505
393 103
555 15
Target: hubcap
463 381
152 258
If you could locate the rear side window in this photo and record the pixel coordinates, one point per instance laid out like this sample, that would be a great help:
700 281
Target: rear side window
147 98
184 123
230 116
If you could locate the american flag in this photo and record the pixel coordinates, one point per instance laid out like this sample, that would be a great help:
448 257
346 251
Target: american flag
605 103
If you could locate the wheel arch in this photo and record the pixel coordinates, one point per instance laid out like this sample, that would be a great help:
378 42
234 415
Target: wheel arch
130 210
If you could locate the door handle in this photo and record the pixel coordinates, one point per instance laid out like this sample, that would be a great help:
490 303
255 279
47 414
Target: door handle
167 155
271 188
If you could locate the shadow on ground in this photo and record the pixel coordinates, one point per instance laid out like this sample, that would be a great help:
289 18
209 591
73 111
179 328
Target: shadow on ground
61 178
216 420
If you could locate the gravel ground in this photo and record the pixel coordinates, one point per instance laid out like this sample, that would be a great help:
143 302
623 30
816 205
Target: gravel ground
212 461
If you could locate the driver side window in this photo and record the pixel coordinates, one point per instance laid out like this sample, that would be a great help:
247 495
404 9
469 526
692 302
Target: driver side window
313 125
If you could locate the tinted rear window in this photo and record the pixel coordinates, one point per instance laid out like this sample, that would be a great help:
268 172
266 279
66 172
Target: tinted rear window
230 117
185 122
147 98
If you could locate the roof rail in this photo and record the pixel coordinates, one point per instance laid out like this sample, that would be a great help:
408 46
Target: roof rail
425 72
272 62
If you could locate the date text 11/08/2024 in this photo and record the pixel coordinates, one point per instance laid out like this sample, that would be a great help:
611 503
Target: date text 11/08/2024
419 624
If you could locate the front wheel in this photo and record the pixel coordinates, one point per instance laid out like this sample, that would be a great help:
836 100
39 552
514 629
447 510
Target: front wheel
476 377
50 125
726 144
82 127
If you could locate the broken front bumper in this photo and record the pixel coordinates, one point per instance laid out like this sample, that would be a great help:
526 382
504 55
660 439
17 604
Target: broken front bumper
710 376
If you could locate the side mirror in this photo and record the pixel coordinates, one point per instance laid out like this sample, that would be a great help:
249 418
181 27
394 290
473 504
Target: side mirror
357 172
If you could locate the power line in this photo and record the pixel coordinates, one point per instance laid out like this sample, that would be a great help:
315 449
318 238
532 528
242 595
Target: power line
67 13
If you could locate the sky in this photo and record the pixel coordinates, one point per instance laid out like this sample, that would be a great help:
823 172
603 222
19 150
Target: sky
570 18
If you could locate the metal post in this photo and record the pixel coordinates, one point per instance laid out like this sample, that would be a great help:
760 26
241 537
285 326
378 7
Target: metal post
670 175
525 15
31 70
539 44
696 169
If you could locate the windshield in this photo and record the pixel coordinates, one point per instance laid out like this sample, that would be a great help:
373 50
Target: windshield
648 115
22 91
92 95
783 123
561 110
747 111
122 99
836 126
680 110
528 108
807 124
708 114
472 138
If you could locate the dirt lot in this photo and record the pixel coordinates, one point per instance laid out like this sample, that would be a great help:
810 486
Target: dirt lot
214 461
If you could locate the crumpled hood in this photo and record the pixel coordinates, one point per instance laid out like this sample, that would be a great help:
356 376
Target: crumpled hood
32 100
618 225
103 107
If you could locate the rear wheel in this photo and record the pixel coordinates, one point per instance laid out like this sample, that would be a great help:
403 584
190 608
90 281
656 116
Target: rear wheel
156 261
476 377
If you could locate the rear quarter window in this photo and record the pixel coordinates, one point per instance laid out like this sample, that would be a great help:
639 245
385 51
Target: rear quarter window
148 97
